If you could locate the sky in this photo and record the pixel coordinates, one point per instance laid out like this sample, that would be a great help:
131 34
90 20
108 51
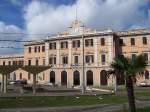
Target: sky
33 19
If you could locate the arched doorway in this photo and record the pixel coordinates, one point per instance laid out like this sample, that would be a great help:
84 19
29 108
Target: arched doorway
103 77
76 78
52 77
89 78
146 74
63 78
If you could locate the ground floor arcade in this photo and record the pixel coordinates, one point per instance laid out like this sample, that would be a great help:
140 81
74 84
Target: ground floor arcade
69 77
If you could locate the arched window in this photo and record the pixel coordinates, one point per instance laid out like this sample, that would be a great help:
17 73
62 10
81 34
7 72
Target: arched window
76 78
103 77
89 78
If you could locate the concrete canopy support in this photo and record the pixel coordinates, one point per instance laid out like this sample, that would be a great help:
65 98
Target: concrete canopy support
2 84
34 83
5 83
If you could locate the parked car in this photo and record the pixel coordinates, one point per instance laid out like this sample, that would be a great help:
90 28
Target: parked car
144 84
16 82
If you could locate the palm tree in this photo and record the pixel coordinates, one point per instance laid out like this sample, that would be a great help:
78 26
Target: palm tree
129 68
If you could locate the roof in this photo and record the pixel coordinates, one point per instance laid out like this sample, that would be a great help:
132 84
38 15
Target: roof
12 56
133 32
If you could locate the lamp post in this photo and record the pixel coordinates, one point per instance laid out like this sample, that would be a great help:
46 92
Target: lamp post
83 72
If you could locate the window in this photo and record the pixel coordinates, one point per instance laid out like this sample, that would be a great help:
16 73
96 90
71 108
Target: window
76 59
103 59
89 58
102 41
20 63
9 63
64 44
76 43
20 75
88 42
39 48
65 60
43 48
144 40
132 41
29 62
52 45
52 60
29 76
35 49
4 63
14 62
29 49
37 62
145 56
121 42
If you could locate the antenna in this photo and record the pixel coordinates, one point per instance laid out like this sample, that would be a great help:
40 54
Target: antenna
149 15
76 12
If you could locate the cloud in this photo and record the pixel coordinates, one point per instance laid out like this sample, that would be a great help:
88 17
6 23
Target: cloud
42 17
10 32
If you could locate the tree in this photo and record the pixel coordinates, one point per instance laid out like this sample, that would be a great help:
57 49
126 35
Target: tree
129 68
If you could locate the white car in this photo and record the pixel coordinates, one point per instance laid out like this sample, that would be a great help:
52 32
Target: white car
144 84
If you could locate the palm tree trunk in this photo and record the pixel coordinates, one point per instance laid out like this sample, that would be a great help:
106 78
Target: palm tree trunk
130 94
34 83
2 84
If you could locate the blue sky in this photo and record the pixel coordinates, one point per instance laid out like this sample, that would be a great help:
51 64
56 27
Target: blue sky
11 11
53 16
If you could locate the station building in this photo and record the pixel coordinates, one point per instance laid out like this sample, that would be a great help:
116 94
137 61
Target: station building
65 51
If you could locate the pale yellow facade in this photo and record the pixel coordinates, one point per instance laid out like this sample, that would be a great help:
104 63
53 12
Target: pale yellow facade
64 52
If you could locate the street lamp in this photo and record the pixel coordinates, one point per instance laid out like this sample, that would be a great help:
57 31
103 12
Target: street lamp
83 72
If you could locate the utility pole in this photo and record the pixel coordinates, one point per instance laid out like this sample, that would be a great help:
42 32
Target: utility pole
83 72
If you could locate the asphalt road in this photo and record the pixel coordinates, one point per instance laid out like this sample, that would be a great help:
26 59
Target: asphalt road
94 108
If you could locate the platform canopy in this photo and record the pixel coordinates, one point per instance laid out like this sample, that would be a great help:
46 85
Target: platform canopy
35 69
8 69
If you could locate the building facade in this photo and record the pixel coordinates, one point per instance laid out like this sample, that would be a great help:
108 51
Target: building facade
65 52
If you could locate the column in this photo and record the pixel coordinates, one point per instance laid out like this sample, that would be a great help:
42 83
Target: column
96 51
110 49
70 54
58 53
46 53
